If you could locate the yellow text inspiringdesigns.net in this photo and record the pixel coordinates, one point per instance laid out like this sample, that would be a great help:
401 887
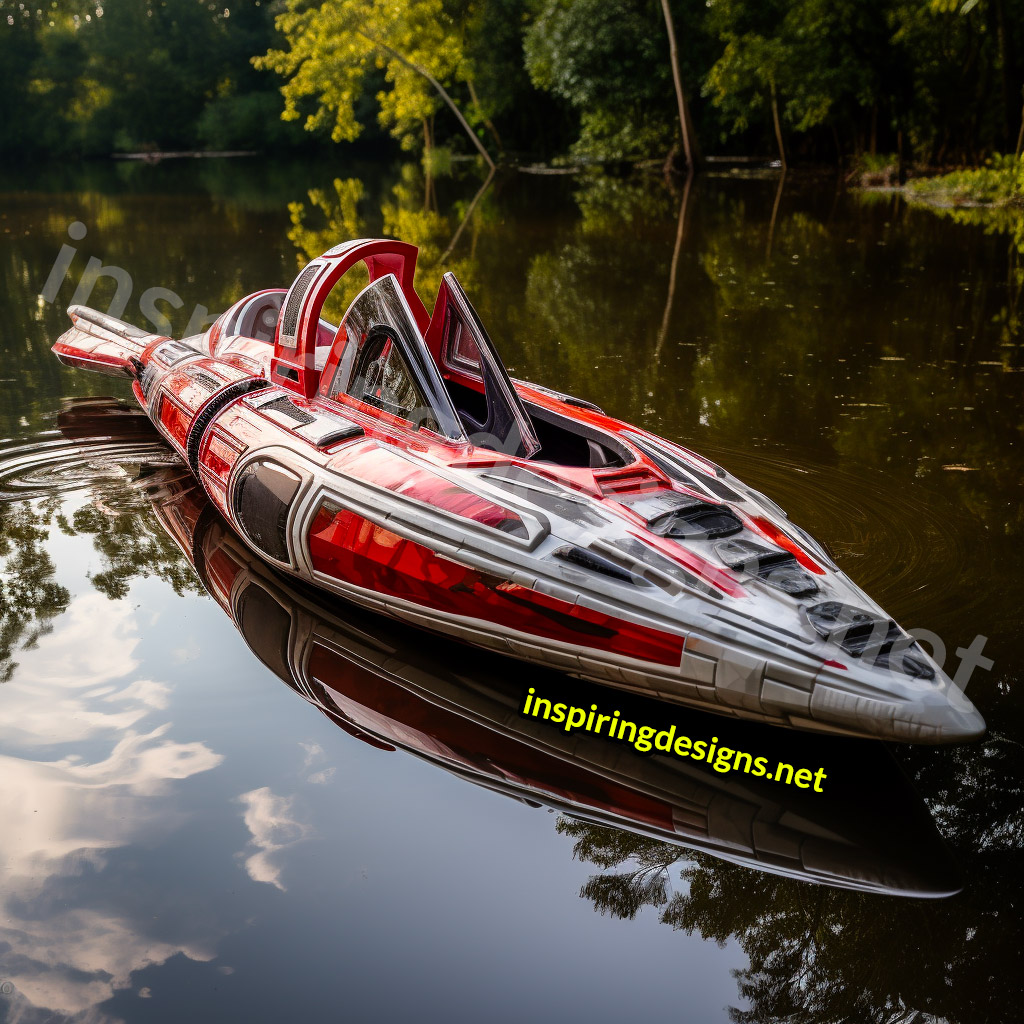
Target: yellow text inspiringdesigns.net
647 739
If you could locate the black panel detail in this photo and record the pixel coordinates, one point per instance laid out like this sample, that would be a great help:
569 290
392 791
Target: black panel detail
210 411
862 634
172 352
293 304
595 563
670 514
339 434
206 380
776 567
263 493
286 407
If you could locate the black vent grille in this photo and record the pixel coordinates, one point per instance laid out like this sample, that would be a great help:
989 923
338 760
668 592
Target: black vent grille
286 407
210 411
866 635
293 304
206 380
776 567
671 514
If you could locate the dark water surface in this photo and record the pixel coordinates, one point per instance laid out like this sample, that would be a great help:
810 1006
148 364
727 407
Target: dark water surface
181 836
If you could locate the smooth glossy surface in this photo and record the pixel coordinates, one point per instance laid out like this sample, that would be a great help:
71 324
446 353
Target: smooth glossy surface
183 835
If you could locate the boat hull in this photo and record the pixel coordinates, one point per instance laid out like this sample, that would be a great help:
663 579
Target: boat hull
634 571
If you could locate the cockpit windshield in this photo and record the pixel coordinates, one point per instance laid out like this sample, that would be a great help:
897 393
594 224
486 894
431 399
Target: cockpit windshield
466 348
384 362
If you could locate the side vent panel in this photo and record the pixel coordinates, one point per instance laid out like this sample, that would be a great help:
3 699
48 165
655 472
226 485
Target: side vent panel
262 497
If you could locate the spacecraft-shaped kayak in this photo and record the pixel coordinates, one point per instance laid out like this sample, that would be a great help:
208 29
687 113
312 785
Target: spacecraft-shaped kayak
391 460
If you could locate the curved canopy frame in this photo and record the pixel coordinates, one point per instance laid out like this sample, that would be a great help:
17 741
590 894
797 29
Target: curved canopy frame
294 362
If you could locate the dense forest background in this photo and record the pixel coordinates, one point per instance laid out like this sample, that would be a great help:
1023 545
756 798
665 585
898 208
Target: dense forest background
582 80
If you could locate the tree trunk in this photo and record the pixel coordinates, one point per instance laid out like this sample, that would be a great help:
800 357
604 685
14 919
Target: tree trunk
1004 66
1020 136
466 217
778 128
775 216
441 91
690 147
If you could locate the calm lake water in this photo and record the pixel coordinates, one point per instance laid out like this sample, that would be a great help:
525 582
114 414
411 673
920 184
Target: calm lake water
182 836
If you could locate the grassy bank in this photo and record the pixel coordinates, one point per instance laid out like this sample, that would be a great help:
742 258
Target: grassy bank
998 182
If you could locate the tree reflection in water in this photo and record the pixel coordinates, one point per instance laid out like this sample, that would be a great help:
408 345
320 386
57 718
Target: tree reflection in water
818 954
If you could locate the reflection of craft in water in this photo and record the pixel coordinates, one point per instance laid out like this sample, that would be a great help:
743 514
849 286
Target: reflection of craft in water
392 686
392 461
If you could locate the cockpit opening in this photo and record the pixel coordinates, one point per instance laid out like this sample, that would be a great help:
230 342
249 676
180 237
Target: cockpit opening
450 381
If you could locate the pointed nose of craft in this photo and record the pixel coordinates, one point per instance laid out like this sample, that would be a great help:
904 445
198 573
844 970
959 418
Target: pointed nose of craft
908 711
951 718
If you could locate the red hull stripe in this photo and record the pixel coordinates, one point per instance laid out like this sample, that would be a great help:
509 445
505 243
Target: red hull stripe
351 548
385 469
771 532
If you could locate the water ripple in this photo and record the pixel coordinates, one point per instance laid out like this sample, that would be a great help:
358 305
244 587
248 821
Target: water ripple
906 545
81 454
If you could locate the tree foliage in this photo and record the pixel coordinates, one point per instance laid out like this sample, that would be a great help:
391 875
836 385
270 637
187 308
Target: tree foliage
608 59
939 80
331 49
80 77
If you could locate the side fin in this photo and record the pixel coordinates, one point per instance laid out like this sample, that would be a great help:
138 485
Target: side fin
101 342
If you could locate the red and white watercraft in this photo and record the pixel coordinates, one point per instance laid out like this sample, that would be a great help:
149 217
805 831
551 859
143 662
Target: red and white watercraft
391 460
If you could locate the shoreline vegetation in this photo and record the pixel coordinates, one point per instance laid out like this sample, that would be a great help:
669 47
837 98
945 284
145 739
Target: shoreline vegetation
996 183
557 83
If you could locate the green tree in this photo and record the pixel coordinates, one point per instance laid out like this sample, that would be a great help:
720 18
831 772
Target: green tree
30 596
333 47
609 59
